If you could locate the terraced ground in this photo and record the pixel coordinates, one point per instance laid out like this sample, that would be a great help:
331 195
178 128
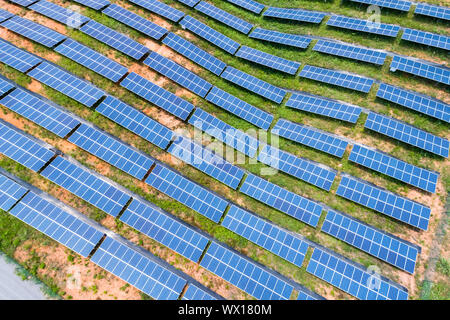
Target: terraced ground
58 267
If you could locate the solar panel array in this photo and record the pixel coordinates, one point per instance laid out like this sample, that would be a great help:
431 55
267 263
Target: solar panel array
63 15
426 38
434 11
287 39
390 4
94 4
209 34
311 137
249 5
189 3
421 68
23 3
187 192
281 199
245 274
295 14
5 86
287 245
337 78
88 186
10 192
178 74
395 168
409 134
195 293
301 168
4 15
161 9
224 17
368 26
17 58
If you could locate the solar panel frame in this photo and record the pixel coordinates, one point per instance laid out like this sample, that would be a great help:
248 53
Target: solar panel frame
426 38
421 69
434 11
195 293
10 192
5 15
93 4
65 16
390 4
295 14
16 58
161 9
287 39
249 5
388 30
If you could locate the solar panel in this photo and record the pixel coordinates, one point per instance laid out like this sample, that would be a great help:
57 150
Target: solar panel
395 168
10 192
160 226
5 86
114 39
383 201
353 278
254 84
63 15
42 112
308 295
388 30
55 222
224 17
23 3
112 151
66 83
157 95
4 15
206 161
18 146
178 74
421 68
94 4
287 245
434 11
301 168
295 14
189 3
16 58
161 9
195 293
245 274
337 78
33 31
349 51
281 199
209 34
135 21
194 53
224 132
375 242
187 192
426 38
91 59
292 40
311 137
409 134
268 60
83 183
249 5
135 121
415 101
143 271
390 4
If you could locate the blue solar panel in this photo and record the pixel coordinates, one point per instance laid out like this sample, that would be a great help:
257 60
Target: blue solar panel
281 199
249 5
5 15
415 101
187 192
224 17
293 40
390 4
23 3
409 134
368 26
18 146
381 200
5 86
135 21
157 95
206 161
83 183
161 9
10 192
189 3
301 168
426 38
63 15
160 226
295 14
135 121
395 168
94 4
337 78
68 84
353 278
195 293
434 11
307 295
57 223
421 68
254 84
16 58
114 39
375 242
178 74
245 274
41 112
311 137
268 60
287 245
209 34
350 51
143 271
91 59
112 151
33 31
224 132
